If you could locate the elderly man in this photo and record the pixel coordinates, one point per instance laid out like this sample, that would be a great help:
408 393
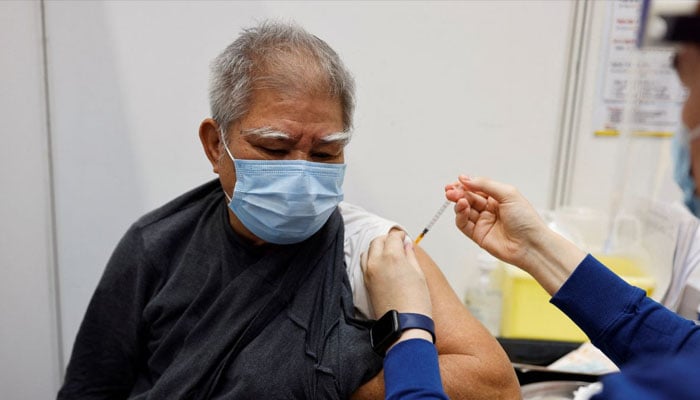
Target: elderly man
250 286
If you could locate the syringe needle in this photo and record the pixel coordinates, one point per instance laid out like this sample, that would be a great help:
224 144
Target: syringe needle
432 221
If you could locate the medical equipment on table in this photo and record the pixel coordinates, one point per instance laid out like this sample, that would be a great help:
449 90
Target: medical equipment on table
432 221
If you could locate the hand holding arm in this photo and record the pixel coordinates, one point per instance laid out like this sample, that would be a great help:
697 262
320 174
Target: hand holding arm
395 281
501 221
472 364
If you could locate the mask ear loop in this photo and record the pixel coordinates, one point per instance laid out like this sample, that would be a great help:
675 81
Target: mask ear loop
223 141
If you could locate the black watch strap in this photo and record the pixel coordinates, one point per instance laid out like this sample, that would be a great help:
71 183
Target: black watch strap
388 329
417 321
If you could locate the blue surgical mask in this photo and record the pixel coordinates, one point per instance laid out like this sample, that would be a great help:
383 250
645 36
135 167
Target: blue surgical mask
285 201
681 167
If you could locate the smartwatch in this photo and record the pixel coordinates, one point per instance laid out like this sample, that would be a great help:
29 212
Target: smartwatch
388 329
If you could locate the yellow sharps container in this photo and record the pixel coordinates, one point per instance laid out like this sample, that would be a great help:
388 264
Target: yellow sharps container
528 314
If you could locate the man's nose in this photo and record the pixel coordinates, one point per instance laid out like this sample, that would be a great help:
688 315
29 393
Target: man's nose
298 155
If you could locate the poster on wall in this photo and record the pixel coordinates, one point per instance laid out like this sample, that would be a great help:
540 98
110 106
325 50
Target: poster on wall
638 91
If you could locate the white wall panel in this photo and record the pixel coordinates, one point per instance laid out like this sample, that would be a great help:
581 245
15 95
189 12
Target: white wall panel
29 365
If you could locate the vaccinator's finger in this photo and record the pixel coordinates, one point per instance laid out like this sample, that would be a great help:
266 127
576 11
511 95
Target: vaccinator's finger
500 191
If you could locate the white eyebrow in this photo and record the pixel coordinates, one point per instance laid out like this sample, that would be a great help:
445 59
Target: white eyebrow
267 132
338 137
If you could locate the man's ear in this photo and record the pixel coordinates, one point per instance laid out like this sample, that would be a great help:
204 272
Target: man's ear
210 137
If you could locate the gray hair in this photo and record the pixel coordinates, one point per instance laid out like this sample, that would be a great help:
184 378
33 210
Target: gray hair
279 56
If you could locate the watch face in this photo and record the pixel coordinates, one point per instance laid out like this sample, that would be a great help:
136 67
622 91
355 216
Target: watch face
385 332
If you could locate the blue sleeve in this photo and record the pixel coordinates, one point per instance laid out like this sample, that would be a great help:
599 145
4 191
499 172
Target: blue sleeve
619 319
655 378
411 371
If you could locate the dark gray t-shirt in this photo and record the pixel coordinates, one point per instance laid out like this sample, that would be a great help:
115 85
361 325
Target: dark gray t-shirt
173 313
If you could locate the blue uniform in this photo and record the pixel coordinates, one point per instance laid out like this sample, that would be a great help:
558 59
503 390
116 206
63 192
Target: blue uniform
411 371
658 351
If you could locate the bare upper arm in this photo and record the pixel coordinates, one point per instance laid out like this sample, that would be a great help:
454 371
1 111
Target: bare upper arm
456 328
473 365
479 366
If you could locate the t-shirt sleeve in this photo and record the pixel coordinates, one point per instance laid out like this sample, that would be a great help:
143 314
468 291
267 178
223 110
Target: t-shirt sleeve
361 227
619 318
109 344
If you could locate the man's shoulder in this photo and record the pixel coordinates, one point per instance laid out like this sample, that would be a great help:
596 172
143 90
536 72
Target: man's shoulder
362 226
177 220
357 219
183 207
158 238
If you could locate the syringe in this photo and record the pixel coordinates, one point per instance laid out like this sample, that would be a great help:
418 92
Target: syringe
432 221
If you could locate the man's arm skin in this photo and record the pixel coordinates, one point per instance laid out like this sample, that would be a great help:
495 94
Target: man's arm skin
472 363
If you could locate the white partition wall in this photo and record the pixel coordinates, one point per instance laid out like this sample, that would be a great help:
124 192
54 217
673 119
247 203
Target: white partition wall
29 348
